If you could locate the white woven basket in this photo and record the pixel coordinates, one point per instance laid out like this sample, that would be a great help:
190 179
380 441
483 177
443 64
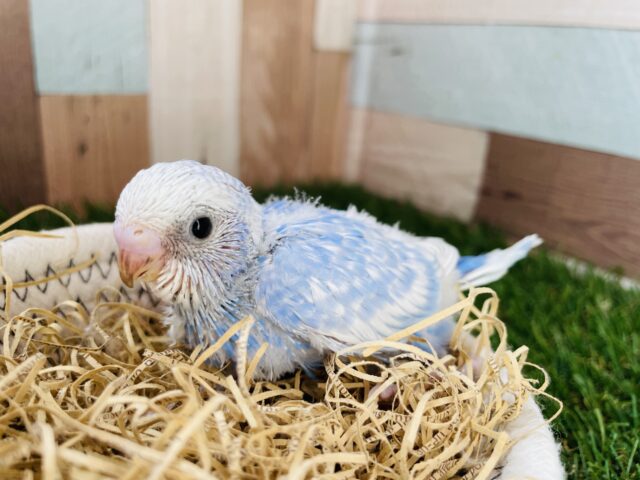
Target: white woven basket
535 456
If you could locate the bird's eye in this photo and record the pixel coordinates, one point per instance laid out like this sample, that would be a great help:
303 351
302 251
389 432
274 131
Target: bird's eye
201 227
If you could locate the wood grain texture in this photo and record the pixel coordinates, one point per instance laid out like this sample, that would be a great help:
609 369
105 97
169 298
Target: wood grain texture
329 120
276 102
194 81
438 167
584 203
93 145
22 182
293 98
573 86
573 13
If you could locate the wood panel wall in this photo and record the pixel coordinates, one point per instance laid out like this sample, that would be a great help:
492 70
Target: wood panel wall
572 86
58 145
90 47
293 98
329 115
581 202
357 90
275 101
22 175
617 14
438 167
194 81
93 145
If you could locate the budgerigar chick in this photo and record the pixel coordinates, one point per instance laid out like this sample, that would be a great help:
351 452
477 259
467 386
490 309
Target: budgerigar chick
315 279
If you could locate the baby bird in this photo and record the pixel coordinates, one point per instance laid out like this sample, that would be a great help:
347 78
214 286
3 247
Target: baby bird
313 278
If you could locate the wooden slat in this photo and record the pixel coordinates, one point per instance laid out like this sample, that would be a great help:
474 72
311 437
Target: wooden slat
438 167
356 135
329 120
194 81
334 25
584 203
90 47
526 81
276 86
293 98
573 13
22 181
93 145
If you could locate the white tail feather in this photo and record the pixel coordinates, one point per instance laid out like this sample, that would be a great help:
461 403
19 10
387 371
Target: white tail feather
498 262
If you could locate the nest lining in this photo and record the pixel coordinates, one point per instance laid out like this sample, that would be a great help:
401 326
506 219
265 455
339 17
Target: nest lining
100 395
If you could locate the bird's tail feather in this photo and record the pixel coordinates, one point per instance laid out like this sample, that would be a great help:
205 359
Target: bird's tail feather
489 267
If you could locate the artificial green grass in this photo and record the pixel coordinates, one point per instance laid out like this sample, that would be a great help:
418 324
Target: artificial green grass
583 329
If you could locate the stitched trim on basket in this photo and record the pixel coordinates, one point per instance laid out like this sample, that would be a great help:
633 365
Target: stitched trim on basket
85 275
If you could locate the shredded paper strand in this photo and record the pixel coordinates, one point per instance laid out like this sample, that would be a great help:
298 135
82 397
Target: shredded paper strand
86 394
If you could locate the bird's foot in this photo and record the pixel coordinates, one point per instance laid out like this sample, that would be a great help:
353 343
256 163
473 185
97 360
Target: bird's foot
385 395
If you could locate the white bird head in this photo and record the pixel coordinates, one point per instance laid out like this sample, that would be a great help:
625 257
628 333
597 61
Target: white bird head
185 228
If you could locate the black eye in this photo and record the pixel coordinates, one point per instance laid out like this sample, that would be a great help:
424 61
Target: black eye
201 227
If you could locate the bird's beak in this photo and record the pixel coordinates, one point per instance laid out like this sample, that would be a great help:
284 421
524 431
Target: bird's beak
140 252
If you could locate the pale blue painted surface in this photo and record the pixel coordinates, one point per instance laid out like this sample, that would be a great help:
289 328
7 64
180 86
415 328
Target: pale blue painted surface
90 46
571 86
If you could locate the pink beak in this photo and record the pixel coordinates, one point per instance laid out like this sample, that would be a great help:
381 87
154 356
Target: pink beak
140 252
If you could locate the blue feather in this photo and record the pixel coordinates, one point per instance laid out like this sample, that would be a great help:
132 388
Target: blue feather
470 262
313 278
338 279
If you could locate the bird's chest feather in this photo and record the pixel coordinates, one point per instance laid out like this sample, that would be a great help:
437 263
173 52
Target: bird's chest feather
204 326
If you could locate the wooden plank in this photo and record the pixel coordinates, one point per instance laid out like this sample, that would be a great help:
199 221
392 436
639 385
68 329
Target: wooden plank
334 25
329 121
194 81
576 87
574 13
584 203
89 47
22 181
438 167
276 86
294 116
356 136
93 145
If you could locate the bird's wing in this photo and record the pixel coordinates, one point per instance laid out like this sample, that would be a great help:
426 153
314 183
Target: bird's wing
339 278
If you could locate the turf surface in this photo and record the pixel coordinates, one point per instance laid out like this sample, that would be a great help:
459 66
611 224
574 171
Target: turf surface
583 329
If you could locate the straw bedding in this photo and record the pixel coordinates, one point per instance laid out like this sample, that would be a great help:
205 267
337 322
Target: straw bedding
100 394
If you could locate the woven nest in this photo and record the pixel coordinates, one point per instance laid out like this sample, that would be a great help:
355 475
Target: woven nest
100 395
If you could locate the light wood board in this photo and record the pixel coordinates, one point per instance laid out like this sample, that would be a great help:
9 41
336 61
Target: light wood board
572 13
293 97
276 102
329 120
438 167
194 81
334 24
93 145
572 86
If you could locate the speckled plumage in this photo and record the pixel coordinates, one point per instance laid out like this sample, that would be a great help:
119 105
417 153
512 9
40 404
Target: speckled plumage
314 279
